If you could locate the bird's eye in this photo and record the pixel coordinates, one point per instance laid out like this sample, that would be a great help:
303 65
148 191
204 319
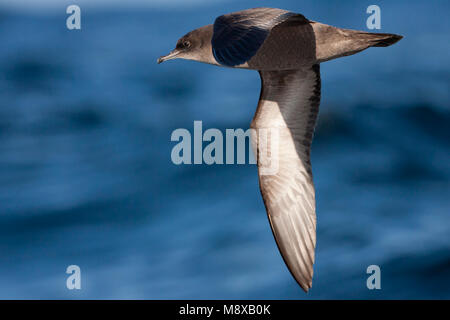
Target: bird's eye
186 44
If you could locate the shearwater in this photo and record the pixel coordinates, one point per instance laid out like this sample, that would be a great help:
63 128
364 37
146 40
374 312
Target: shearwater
286 49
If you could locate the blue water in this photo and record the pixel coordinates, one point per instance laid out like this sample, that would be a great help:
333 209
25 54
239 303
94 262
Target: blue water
86 176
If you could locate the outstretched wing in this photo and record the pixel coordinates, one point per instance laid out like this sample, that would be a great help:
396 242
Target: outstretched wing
238 36
283 129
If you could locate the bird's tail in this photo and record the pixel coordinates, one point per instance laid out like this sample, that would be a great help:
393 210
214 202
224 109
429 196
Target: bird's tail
346 42
377 39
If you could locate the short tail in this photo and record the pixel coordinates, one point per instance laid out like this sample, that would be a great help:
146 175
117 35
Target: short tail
379 39
335 42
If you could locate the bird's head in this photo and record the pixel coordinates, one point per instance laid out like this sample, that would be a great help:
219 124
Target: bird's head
195 45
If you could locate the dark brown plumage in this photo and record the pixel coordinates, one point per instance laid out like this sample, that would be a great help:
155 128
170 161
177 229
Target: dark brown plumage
286 49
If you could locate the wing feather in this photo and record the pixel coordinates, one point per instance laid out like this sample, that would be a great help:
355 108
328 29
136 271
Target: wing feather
288 107
238 36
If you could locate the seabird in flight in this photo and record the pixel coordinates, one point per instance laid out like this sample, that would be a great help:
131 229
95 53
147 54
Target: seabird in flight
286 49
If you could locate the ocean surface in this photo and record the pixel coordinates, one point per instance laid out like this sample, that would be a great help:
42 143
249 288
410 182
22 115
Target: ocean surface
86 176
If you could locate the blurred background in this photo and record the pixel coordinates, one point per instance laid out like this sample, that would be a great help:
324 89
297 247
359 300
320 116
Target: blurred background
86 176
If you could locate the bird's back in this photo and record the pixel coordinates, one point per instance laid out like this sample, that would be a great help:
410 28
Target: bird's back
290 45
273 39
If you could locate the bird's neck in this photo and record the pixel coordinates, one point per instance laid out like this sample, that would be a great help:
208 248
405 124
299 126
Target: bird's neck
205 53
